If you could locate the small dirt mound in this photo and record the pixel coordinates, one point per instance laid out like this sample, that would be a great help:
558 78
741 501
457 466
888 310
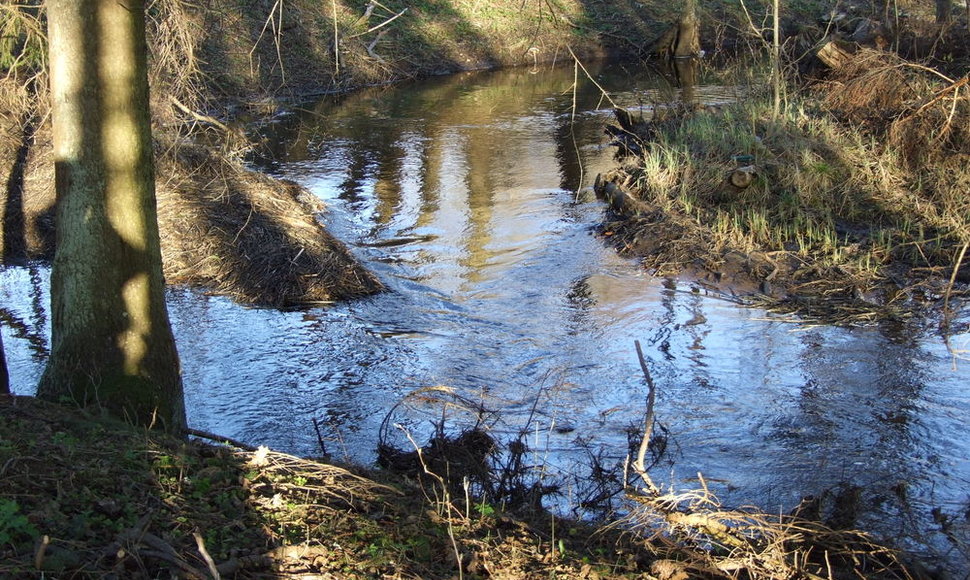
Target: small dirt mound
225 228
249 236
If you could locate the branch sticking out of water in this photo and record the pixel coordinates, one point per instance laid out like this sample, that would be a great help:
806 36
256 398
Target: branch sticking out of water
638 465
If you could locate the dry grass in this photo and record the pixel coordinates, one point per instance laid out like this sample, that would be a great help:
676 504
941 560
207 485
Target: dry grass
248 236
694 535
924 114
224 228
847 199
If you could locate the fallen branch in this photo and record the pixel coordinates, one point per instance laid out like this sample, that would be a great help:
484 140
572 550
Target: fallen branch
381 25
219 439
621 202
638 465
198 116
947 313
200 544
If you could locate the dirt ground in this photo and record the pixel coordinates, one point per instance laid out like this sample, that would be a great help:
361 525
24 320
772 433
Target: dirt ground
85 496
223 228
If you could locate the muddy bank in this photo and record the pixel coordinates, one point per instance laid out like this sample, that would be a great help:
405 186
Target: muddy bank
848 206
672 244
230 230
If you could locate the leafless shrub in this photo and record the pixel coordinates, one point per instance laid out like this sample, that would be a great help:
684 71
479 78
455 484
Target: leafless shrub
922 113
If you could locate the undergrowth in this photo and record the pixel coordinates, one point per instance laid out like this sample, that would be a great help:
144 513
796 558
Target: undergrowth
846 188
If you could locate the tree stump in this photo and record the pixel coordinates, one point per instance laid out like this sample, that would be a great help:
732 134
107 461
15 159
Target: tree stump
742 177
682 39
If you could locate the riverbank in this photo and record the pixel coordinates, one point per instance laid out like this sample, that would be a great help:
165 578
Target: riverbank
846 205
385 546
233 231
88 497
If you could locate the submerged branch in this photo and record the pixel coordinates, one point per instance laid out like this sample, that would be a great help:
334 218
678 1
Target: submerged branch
638 465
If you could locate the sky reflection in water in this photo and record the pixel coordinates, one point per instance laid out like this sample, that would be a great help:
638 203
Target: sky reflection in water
469 196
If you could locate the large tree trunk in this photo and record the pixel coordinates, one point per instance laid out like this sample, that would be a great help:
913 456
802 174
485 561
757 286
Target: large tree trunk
688 32
682 39
112 345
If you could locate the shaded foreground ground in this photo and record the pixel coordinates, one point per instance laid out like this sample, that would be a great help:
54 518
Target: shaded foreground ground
82 497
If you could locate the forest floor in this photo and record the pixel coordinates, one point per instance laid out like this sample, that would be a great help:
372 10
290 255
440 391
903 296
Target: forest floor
90 497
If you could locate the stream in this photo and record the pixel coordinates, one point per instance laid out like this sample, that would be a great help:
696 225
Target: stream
470 197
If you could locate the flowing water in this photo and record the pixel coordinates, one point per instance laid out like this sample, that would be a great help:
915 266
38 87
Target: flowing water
469 196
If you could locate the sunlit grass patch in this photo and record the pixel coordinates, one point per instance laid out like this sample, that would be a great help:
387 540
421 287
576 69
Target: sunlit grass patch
821 191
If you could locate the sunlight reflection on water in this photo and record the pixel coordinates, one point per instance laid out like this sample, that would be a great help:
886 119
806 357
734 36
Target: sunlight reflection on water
461 194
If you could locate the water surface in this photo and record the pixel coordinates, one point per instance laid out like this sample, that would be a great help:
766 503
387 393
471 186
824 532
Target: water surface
469 196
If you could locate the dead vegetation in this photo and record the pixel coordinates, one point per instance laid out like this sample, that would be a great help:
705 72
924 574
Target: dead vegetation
469 474
82 497
248 236
923 114
693 535
853 208
224 228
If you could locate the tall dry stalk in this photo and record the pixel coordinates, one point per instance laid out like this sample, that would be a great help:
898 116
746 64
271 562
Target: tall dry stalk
776 59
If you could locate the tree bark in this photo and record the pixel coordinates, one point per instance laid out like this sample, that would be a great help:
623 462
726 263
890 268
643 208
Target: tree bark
682 39
688 32
4 377
111 342
776 58
944 11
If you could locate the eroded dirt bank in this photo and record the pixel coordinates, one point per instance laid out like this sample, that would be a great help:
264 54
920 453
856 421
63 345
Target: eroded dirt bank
847 204
225 228
234 231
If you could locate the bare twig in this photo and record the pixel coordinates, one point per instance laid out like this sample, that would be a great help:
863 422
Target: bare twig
603 92
947 314
639 465
447 497
336 37
277 36
381 25
200 544
198 116
370 47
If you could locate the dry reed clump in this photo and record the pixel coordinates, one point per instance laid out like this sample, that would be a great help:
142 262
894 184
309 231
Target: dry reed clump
694 536
922 113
